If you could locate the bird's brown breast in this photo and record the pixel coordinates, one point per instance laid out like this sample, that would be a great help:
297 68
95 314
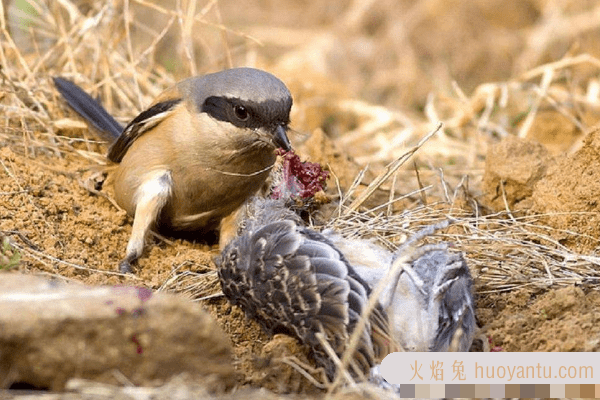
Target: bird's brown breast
212 172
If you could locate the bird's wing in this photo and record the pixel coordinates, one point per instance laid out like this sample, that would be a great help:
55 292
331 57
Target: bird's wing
261 272
450 289
383 341
438 287
141 124
289 279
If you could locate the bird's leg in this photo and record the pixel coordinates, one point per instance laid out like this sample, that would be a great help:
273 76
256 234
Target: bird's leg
411 254
151 197
415 278
406 255
442 282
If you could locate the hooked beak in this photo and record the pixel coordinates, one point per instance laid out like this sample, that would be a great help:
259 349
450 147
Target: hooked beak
280 138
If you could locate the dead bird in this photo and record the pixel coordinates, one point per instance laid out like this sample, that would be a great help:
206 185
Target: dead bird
429 300
196 153
291 278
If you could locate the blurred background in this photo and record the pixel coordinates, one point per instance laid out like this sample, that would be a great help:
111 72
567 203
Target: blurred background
425 59
516 84
387 52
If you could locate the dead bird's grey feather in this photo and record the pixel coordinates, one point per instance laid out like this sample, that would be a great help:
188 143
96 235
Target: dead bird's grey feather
291 278
430 305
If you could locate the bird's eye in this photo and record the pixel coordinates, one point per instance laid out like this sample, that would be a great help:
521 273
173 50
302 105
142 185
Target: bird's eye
241 112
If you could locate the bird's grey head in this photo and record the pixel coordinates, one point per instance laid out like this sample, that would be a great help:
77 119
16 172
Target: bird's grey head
247 98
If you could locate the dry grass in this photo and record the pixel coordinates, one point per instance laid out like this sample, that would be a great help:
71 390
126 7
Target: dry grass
504 251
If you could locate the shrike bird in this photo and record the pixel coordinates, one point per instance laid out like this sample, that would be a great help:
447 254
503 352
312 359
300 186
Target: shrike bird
196 154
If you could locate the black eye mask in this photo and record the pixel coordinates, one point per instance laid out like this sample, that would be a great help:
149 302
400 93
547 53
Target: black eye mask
248 114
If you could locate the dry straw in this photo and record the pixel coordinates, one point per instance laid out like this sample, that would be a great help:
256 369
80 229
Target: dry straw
111 53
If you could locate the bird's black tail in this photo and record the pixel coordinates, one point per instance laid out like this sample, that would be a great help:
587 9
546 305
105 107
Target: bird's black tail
88 108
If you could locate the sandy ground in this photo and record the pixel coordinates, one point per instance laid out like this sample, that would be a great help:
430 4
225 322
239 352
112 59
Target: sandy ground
70 232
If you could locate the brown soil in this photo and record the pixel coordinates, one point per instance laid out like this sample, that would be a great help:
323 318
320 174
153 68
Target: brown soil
47 210
66 230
